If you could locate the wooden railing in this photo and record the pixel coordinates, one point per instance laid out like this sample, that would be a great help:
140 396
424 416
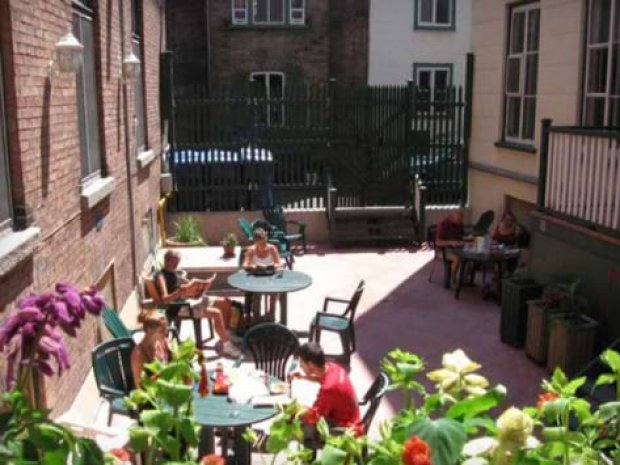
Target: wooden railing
580 175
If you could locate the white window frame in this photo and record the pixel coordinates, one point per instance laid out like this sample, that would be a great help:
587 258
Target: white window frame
451 24
268 21
243 11
609 44
268 75
522 57
299 10
432 68
7 222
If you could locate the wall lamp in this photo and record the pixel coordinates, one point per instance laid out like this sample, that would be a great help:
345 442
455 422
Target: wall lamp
68 55
131 67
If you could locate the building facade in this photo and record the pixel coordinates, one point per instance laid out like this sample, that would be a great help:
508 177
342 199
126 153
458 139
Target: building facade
423 40
79 156
278 43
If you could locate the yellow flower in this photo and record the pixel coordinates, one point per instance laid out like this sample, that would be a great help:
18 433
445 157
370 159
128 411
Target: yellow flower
514 428
457 374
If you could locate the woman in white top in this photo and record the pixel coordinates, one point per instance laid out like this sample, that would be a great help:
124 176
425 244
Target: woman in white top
262 254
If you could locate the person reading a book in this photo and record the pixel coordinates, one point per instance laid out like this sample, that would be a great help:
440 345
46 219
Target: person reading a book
261 256
172 287
336 400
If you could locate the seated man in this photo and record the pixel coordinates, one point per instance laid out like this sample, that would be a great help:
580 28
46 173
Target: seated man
336 400
450 233
171 288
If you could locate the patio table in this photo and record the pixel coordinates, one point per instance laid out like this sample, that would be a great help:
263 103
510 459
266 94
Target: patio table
499 256
281 282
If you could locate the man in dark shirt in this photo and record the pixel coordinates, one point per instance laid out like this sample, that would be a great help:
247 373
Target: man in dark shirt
450 234
336 400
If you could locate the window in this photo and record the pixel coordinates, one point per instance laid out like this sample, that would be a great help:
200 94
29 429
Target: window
269 12
136 48
270 93
5 190
88 112
601 106
433 81
521 74
434 14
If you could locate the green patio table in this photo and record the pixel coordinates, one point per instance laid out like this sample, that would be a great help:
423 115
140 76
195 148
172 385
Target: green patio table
281 282
216 411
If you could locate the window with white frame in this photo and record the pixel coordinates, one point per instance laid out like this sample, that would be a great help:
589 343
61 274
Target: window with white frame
269 87
5 189
433 82
268 12
522 74
601 105
136 48
434 14
88 111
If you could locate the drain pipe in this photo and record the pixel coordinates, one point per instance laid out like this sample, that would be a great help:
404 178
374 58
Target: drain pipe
128 155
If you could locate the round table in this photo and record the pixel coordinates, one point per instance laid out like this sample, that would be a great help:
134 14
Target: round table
216 411
281 282
497 255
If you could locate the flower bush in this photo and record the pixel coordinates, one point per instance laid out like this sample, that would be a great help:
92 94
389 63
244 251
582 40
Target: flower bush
455 424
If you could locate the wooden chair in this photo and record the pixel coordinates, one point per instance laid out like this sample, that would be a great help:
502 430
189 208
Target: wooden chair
271 346
112 368
275 216
343 324
176 312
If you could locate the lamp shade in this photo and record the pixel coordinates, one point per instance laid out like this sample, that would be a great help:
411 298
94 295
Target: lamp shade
69 52
131 66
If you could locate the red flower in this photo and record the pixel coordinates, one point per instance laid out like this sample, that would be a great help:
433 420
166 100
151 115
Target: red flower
203 387
358 430
544 398
416 452
311 417
212 459
121 454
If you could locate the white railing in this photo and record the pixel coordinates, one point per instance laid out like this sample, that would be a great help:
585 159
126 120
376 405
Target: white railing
580 175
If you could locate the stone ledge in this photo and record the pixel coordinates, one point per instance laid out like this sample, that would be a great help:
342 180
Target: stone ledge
96 191
145 158
15 246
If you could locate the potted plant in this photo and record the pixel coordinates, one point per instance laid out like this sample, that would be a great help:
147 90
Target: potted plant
187 233
572 333
229 243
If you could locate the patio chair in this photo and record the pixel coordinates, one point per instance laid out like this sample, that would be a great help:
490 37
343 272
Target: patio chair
343 324
112 368
483 224
271 346
275 216
176 312
117 328
440 253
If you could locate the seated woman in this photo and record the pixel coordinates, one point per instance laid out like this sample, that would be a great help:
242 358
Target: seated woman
507 231
263 255
154 345
172 287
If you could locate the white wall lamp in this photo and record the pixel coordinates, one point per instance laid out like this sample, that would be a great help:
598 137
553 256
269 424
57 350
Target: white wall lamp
68 56
131 67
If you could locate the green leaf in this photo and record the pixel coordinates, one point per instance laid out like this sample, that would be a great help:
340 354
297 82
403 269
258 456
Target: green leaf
139 439
475 423
612 359
188 431
174 394
323 428
88 453
581 407
475 406
55 456
333 456
571 388
605 378
159 420
250 436
554 433
558 378
444 436
48 436
170 445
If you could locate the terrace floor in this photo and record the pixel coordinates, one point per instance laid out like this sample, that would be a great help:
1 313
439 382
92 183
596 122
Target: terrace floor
401 308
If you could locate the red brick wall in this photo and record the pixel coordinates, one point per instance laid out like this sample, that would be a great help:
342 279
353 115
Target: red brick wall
77 245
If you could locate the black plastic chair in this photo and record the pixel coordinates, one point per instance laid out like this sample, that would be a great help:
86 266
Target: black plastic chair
271 346
275 216
440 252
112 367
342 324
483 224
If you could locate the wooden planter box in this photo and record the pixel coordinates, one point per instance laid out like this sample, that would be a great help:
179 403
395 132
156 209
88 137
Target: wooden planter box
571 343
537 338
513 322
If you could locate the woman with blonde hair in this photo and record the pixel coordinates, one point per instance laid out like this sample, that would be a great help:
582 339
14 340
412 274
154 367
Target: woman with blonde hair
154 345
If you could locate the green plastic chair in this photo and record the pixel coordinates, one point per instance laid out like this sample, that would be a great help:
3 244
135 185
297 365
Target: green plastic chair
343 324
118 329
246 228
112 367
275 216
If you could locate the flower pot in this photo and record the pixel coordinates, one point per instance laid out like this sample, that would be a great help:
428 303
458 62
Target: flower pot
229 250
165 183
171 242
571 343
537 338
513 322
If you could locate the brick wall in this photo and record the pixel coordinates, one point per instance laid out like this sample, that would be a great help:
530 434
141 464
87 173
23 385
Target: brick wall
77 245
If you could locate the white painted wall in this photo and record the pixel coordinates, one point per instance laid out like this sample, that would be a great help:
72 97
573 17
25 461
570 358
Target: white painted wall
394 44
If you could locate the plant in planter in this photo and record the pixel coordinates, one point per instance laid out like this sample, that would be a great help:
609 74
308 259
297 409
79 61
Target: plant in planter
572 333
229 243
187 233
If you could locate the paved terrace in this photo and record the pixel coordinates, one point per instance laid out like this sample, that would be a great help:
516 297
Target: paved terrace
399 308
